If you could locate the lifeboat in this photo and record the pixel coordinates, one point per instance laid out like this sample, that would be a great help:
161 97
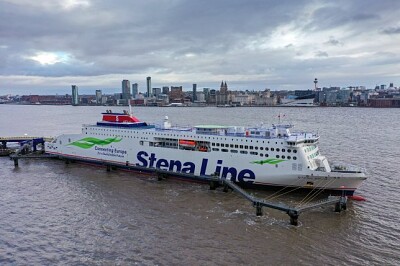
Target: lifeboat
187 143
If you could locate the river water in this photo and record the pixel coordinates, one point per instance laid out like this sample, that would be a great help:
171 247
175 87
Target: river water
53 213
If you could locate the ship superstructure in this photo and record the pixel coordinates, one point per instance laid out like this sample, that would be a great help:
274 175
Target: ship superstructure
257 156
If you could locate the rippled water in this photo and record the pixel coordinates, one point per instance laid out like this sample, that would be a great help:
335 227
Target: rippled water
52 213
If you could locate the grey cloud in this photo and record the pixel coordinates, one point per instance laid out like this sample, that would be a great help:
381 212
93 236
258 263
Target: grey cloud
333 41
321 54
391 30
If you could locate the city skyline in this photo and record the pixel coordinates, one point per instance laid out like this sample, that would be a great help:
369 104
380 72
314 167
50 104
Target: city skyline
283 45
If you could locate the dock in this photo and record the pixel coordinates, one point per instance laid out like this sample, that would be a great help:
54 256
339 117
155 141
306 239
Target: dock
340 202
26 143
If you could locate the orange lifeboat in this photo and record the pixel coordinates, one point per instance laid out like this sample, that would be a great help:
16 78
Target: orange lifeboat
187 143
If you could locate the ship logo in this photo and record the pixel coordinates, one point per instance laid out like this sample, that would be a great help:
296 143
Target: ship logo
268 161
87 143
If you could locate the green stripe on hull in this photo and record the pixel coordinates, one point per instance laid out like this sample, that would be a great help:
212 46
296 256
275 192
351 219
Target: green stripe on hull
87 143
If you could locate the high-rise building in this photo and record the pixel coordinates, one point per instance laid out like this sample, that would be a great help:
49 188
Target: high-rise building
75 95
206 92
98 96
156 92
176 94
126 89
194 96
165 90
135 90
148 82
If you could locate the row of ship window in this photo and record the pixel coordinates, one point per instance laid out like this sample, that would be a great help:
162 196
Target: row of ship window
180 136
256 153
246 147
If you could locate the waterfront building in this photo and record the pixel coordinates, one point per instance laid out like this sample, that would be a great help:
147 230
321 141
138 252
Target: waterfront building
162 99
343 96
223 88
148 83
135 90
176 94
194 96
206 92
75 95
165 90
126 89
156 92
222 95
200 96
98 96
212 98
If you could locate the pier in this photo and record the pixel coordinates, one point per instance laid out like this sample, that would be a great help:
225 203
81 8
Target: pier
25 142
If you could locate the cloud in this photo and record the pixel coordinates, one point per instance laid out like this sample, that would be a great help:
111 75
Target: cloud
259 43
391 30
333 41
321 54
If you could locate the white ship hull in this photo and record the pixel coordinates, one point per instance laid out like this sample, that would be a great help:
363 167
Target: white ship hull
243 159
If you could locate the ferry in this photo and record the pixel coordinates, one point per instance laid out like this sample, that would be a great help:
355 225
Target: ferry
250 156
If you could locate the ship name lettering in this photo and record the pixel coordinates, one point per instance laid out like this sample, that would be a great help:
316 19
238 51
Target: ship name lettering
151 161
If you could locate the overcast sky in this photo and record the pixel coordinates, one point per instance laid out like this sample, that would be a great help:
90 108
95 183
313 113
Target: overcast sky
48 45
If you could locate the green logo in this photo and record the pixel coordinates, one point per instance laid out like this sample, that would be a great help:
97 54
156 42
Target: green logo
87 143
268 161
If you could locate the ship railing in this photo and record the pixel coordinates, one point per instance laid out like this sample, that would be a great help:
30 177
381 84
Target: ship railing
347 168
88 125
301 136
160 127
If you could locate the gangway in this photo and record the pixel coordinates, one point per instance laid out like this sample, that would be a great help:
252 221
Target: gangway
339 201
